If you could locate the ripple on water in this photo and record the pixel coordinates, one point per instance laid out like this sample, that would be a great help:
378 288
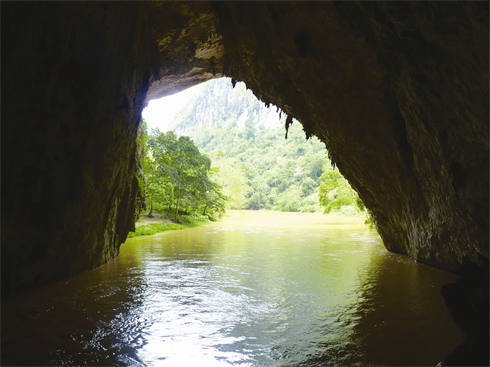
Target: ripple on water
279 290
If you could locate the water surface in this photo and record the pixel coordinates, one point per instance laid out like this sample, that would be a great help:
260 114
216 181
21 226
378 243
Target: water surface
254 289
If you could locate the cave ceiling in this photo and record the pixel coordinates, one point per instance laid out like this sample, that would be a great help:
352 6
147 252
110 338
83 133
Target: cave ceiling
398 92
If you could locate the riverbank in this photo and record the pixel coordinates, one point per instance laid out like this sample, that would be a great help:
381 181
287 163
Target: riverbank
146 226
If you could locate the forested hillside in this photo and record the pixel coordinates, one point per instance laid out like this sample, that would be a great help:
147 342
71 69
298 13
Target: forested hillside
255 164
258 167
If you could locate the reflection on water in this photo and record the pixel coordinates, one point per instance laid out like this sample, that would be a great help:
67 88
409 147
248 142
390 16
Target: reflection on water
255 289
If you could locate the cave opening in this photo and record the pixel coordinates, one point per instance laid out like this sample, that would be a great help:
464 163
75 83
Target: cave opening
247 142
412 276
397 91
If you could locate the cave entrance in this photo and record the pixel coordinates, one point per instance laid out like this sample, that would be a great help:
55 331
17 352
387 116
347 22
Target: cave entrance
260 270
253 163
420 122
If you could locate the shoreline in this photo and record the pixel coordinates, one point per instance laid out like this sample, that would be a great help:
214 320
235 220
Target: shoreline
157 218
146 226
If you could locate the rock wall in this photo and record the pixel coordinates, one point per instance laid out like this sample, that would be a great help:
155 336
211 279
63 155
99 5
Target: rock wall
397 91
74 80
399 94
413 76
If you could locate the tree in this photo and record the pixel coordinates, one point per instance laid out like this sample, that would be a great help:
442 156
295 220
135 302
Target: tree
214 199
232 181
233 122
140 154
334 191
180 165
157 187
260 191
289 200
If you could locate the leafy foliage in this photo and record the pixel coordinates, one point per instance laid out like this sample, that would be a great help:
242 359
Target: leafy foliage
335 193
177 177
233 182
245 141
154 228
253 165
141 139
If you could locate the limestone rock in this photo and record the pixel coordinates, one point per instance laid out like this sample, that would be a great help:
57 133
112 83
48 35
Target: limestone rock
398 91
74 78
190 48
413 76
468 302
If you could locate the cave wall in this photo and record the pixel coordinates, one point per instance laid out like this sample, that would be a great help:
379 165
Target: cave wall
397 91
74 80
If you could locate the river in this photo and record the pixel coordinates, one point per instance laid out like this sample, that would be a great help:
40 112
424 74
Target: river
256 288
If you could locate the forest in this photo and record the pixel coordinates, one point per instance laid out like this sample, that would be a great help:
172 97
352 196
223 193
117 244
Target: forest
226 150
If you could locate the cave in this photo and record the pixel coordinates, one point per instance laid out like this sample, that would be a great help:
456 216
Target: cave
397 91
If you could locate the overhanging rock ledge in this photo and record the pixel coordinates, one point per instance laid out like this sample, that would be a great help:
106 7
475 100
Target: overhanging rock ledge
397 91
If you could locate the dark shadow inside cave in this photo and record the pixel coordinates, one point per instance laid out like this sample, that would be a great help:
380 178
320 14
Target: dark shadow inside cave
398 92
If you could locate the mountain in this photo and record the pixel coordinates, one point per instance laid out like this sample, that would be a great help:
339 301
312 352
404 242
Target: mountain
257 167
219 103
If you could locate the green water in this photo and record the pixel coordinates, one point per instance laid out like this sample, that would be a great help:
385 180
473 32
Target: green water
255 289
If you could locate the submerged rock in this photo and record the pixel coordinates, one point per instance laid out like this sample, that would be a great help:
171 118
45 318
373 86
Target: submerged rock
468 302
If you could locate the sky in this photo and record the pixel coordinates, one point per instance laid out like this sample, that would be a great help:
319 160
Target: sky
160 112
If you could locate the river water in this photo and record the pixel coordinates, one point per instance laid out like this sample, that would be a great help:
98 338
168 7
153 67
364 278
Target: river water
254 289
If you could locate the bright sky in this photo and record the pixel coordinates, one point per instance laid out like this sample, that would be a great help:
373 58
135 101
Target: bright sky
160 112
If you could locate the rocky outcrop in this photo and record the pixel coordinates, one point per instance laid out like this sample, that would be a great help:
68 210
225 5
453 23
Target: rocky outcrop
189 46
74 78
398 91
399 94
413 76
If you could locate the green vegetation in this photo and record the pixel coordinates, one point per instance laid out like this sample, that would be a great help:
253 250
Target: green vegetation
187 221
246 162
334 191
256 166
178 178
140 162
336 195
154 228
177 182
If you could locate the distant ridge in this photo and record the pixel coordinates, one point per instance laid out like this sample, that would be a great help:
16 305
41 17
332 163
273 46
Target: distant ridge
218 103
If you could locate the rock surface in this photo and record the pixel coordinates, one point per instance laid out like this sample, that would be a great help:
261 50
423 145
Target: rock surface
468 303
398 91
399 94
413 76
74 77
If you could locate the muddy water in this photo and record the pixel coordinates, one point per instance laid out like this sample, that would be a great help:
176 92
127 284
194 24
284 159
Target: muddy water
255 289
